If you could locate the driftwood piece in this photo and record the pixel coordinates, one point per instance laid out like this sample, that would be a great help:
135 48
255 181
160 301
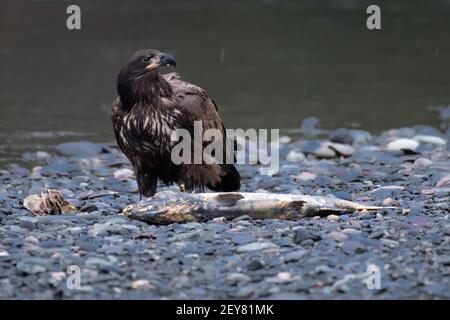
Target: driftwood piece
172 207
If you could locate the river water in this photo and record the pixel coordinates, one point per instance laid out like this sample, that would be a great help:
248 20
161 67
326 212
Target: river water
268 64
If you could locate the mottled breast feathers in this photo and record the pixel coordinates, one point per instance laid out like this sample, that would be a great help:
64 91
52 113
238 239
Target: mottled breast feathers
144 129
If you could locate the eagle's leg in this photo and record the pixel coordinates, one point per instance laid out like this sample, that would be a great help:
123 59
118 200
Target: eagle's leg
182 187
146 180
147 183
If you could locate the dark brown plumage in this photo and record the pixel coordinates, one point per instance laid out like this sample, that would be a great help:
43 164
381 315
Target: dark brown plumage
150 106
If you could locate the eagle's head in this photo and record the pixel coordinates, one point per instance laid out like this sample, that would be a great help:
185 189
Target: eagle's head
143 64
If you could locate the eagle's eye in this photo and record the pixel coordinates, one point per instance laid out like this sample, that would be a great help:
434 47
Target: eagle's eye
146 58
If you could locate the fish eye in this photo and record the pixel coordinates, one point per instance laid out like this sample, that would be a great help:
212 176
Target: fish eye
146 58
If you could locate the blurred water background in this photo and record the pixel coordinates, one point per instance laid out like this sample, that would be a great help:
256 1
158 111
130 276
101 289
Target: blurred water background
268 64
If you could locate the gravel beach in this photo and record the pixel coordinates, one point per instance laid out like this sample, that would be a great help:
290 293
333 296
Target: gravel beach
312 258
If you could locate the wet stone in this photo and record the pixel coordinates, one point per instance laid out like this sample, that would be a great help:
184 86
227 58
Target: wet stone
256 246
446 229
302 234
342 135
403 144
333 217
63 168
242 239
32 265
51 243
237 258
28 222
295 156
294 256
343 195
255 265
79 149
353 247
269 183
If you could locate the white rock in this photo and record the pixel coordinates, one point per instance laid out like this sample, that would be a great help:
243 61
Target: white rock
333 217
31 239
285 139
403 144
430 139
268 171
342 149
423 162
142 284
256 246
42 155
305 176
123 174
294 156
4 253
36 173
337 236
56 278
282 277
75 230
391 187
236 277
445 181
324 151
285 276
389 202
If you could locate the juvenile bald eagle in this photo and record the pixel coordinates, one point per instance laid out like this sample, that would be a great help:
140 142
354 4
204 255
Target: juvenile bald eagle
149 107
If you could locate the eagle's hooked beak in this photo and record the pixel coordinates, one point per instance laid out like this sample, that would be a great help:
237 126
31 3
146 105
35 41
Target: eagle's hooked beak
163 60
